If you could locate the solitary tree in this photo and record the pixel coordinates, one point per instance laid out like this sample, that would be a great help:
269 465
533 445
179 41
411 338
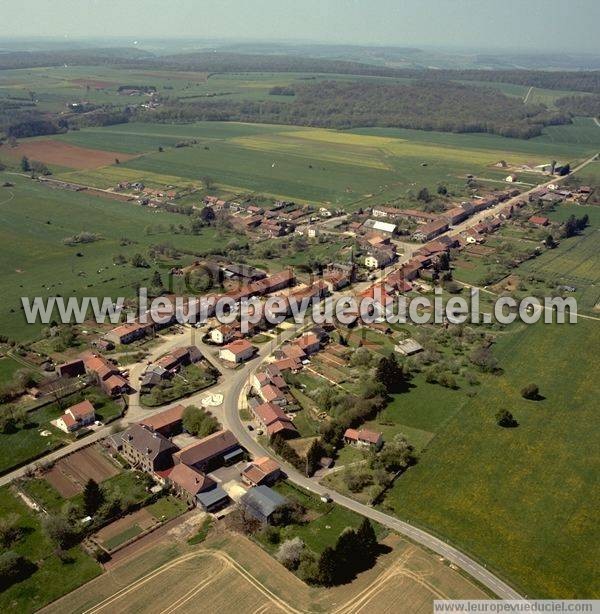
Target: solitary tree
25 166
531 392
92 497
367 540
505 418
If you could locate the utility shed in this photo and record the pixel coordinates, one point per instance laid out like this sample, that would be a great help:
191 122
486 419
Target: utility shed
261 502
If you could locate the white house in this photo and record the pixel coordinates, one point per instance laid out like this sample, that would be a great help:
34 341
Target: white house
76 416
237 351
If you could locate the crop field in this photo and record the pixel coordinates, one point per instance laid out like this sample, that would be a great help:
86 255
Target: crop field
230 571
521 499
348 169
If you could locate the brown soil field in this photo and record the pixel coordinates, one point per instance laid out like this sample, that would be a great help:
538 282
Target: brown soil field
142 518
480 250
69 475
64 154
93 83
229 571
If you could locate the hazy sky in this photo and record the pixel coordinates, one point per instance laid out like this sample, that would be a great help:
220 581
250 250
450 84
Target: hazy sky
521 24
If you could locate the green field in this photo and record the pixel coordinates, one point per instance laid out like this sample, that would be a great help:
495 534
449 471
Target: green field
52 578
39 264
522 500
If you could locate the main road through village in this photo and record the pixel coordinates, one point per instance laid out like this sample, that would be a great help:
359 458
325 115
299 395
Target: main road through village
233 385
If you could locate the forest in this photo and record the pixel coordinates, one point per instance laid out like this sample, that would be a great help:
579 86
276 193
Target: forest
424 105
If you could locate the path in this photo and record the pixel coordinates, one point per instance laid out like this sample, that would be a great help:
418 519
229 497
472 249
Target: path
528 94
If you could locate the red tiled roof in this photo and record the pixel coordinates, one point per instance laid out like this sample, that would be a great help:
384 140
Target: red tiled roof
164 418
81 410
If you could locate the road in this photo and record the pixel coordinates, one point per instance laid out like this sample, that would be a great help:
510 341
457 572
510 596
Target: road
232 421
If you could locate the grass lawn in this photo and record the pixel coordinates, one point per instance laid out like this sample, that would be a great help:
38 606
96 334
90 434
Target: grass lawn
8 367
522 500
167 508
28 443
53 578
121 538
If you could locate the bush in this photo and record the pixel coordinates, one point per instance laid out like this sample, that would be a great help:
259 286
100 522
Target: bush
531 392
14 568
505 419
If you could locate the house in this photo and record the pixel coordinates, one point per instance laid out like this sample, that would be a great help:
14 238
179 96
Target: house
211 452
309 343
261 502
380 258
335 281
539 220
272 394
110 379
430 230
381 227
456 215
146 449
397 281
275 421
181 357
187 482
511 178
154 375
223 334
363 438
263 470
128 333
408 347
76 416
237 351
73 368
167 423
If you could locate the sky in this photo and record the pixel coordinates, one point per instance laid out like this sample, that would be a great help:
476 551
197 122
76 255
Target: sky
542 25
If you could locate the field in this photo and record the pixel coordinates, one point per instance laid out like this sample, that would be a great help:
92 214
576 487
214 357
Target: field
39 264
524 500
54 152
70 474
52 578
229 571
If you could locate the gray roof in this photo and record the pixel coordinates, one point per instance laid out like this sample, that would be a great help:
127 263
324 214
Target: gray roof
149 443
211 496
263 500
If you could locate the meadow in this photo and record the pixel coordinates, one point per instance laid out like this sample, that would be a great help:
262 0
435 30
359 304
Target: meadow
521 499
34 261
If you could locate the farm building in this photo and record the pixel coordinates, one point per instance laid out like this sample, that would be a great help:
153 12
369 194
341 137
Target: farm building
539 220
430 230
381 227
167 423
71 369
261 502
408 347
128 333
274 419
220 448
188 482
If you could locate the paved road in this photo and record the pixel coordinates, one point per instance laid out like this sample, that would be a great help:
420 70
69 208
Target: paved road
231 420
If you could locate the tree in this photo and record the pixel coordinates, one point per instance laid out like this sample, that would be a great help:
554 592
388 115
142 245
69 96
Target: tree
550 242
9 530
60 531
156 281
198 422
289 552
25 166
327 567
287 513
367 540
396 454
442 190
14 568
564 170
424 195
208 182
505 419
93 497
531 392
314 454
138 261
207 215
390 374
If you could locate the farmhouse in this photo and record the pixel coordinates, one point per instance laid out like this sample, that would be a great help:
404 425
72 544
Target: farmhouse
363 438
180 357
380 258
261 502
146 449
214 451
237 351
456 215
263 470
309 343
76 416
420 217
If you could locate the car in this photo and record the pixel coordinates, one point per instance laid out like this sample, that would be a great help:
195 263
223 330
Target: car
326 498
250 427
